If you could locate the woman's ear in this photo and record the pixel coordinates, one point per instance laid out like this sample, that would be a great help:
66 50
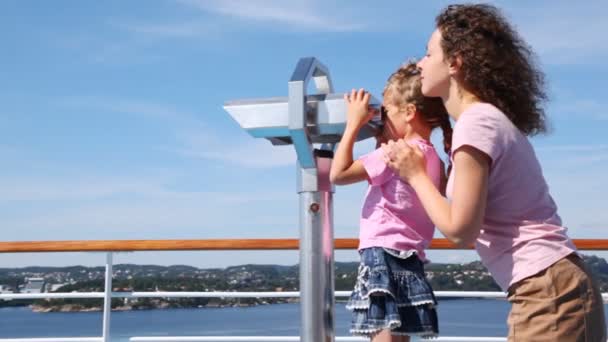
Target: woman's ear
454 65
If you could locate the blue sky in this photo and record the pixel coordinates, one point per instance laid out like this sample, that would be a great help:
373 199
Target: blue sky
112 127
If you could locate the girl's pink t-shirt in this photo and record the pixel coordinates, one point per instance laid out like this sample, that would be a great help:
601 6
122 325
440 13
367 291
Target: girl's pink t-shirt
522 233
392 215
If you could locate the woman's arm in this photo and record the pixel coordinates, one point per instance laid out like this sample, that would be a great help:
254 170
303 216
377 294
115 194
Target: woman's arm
343 169
461 219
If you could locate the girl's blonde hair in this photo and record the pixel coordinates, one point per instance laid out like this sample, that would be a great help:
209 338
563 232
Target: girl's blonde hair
404 86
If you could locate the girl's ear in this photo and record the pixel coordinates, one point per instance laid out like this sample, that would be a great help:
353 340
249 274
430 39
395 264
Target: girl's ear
410 112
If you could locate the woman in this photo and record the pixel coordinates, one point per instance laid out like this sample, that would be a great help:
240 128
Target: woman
485 75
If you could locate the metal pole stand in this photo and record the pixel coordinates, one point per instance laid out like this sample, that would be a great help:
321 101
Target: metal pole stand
316 209
304 120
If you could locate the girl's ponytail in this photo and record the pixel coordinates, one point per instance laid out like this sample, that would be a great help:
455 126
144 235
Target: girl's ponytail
446 127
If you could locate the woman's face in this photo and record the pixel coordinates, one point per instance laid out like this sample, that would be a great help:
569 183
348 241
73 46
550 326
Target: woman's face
434 69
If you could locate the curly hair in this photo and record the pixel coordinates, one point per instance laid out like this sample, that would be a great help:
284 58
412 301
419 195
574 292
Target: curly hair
498 66
404 86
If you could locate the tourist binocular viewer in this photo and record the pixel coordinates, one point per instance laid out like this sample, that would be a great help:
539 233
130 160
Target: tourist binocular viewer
302 119
324 118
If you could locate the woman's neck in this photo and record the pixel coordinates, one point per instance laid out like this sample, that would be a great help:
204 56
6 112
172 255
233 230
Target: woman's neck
458 100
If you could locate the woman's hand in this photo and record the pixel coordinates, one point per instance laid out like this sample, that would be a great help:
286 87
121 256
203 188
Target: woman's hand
408 161
357 104
460 219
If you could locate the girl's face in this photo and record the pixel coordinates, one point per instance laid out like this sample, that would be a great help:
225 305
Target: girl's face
395 124
434 69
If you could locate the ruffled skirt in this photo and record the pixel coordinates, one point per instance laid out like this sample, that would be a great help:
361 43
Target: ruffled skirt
392 293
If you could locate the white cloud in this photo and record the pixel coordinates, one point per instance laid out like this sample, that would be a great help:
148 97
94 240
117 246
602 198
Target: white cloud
197 29
204 214
251 152
176 117
561 33
193 135
139 207
255 155
569 156
87 188
574 148
590 108
315 16
120 52
95 48
28 189
248 152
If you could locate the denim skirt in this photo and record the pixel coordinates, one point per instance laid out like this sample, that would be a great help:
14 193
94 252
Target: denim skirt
392 293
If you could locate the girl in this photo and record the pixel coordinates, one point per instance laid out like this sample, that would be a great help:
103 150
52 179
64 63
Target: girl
483 72
391 296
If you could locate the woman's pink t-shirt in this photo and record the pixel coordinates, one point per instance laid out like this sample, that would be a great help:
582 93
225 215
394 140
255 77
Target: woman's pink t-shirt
522 233
392 215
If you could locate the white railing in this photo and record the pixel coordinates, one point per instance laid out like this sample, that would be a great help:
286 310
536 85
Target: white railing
55 339
290 338
107 295
217 294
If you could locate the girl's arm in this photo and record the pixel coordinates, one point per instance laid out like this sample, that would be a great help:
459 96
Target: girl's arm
343 169
461 219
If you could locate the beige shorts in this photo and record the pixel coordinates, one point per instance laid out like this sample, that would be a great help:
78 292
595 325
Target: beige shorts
561 303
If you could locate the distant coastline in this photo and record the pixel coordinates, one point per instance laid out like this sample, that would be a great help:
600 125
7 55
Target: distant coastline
268 278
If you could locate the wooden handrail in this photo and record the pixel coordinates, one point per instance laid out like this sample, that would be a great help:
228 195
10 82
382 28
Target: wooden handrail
213 245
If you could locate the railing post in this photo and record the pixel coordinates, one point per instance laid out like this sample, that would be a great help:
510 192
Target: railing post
107 299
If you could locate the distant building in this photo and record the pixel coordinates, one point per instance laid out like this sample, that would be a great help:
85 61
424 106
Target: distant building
53 287
6 289
34 285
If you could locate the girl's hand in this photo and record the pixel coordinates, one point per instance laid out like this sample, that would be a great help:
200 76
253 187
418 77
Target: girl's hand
407 161
357 105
